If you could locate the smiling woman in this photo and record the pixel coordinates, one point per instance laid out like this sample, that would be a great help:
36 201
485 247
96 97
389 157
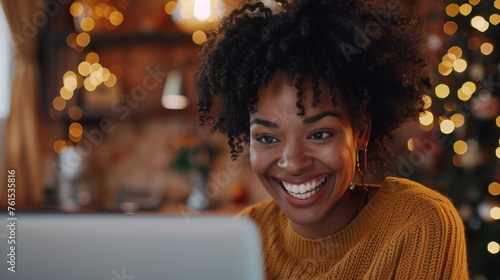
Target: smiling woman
316 89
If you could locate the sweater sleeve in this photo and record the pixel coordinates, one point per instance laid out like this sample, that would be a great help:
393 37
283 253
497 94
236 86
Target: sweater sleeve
433 245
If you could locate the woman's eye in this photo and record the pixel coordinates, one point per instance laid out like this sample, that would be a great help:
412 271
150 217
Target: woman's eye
320 135
266 139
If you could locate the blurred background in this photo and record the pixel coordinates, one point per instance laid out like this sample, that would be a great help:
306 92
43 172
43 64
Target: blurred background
98 113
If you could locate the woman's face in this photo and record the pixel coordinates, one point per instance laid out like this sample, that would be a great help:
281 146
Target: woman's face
305 162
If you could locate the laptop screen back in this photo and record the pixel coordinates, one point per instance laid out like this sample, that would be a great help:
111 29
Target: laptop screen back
127 247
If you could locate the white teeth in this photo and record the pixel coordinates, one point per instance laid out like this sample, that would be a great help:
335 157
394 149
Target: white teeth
304 190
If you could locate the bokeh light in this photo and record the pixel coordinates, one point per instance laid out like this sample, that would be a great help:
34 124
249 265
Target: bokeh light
494 188
495 213
83 39
447 126
465 9
199 37
442 90
59 146
426 118
493 247
460 147
486 48
458 120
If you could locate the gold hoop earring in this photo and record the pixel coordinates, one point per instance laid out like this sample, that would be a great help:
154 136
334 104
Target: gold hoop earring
361 164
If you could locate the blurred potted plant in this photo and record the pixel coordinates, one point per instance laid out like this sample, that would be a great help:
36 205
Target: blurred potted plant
196 159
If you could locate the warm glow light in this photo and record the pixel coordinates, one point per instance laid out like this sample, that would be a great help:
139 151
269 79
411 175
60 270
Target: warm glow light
65 93
84 68
199 37
175 102
497 4
442 91
486 48
447 126
70 83
457 161
83 39
170 7
458 120
88 84
59 146
59 103
105 74
460 65
497 120
426 119
497 152
469 88
202 9
457 51
427 101
410 144
452 10
493 247
462 96
111 81
95 67
474 2
87 24
460 147
465 9
92 57
96 77
495 19
444 68
473 43
75 132
75 113
116 18
71 40
449 57
479 23
495 213
494 188
76 9
192 15
450 27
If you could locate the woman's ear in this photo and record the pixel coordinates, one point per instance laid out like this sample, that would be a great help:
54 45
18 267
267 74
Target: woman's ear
364 130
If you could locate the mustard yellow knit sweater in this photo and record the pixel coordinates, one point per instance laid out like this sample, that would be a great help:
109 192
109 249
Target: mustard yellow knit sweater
406 231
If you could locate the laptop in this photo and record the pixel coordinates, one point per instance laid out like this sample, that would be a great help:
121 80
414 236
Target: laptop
129 247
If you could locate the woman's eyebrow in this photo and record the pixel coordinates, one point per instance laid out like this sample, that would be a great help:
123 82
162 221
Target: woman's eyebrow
264 123
319 116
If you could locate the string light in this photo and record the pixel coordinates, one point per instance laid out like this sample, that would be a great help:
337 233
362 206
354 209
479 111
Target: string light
493 247
460 147
486 48
442 90
452 10
494 188
465 9
447 126
427 118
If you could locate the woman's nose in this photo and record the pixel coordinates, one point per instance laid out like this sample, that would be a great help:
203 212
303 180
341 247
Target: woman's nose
295 159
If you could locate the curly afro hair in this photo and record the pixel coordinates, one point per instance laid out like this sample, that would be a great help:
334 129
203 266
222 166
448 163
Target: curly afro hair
374 55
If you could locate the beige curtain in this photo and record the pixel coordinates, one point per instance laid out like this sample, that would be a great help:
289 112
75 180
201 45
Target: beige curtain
23 153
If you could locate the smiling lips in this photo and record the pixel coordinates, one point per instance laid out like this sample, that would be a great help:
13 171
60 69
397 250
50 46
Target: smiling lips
304 190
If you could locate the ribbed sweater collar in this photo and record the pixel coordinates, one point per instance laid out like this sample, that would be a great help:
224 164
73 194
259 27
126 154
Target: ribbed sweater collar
338 244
